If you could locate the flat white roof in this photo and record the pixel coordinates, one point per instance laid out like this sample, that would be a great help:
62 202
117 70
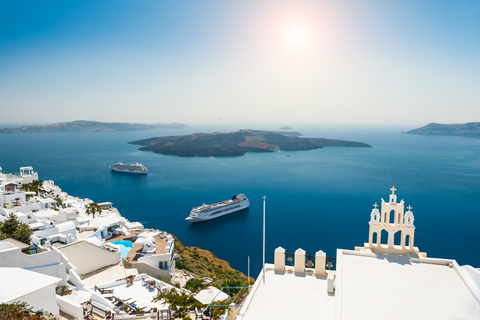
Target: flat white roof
207 295
106 276
15 243
46 213
6 245
368 286
134 225
286 295
36 225
48 200
17 282
108 221
393 286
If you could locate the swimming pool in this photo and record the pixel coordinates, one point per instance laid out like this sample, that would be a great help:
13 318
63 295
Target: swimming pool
125 246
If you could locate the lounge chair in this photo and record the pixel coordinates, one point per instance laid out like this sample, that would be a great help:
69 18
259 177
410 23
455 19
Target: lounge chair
104 291
131 310
117 302
88 311
151 285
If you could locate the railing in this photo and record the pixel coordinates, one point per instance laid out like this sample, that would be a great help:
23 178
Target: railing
112 247
239 297
311 261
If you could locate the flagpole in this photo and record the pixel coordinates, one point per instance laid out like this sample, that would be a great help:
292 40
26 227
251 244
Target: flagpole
248 271
264 239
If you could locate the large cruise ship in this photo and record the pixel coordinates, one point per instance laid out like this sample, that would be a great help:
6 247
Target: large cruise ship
132 167
210 211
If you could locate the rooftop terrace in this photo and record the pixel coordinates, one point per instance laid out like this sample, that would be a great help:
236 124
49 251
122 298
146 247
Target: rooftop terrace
288 295
397 286
136 252
139 292
368 285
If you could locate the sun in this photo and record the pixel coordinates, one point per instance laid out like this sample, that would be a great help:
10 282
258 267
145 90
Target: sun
297 37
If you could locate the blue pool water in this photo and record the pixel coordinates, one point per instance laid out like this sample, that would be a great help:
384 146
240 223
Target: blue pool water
316 200
125 246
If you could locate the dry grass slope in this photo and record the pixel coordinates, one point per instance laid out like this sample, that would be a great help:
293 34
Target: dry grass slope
205 264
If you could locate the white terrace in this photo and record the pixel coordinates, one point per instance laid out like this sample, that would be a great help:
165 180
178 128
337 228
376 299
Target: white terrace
387 278
140 292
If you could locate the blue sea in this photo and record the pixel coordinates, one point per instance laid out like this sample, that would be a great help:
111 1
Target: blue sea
315 200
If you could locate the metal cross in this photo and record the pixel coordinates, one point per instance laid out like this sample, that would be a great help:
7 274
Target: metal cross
264 198
375 205
409 208
393 190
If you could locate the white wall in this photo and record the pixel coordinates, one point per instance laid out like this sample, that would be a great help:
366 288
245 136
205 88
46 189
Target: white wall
15 258
154 272
154 260
97 234
34 206
49 263
29 178
65 215
24 208
13 196
43 299
100 302
69 307
64 228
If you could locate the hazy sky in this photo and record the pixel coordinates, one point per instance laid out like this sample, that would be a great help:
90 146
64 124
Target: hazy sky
240 61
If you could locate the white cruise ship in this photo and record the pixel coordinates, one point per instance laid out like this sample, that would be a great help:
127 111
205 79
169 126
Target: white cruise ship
210 211
132 167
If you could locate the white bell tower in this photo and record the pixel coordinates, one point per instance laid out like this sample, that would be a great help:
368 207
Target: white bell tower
409 218
375 215
391 220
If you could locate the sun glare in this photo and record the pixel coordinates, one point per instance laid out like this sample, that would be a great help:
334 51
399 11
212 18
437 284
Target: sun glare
297 37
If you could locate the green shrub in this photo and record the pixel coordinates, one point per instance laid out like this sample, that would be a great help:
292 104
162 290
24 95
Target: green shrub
181 265
218 271
194 284
195 255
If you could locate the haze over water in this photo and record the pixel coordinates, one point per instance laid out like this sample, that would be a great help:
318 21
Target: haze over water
316 200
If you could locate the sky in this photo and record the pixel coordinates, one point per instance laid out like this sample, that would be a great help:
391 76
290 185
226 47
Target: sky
370 62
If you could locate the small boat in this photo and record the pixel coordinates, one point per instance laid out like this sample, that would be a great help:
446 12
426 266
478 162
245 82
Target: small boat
131 167
211 211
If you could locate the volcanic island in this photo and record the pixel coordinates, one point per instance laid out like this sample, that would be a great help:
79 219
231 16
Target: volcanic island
238 143
471 129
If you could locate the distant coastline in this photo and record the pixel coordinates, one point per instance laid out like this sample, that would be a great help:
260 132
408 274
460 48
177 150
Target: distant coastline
237 143
91 126
471 129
